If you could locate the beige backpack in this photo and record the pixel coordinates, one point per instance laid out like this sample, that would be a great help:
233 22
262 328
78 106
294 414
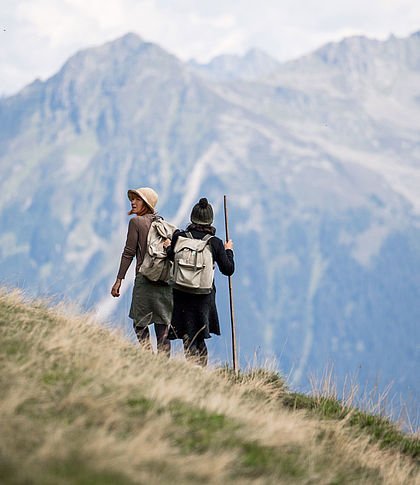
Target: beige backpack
156 266
193 270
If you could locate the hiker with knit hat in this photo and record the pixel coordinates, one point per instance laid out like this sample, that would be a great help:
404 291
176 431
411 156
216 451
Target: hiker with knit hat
194 315
152 300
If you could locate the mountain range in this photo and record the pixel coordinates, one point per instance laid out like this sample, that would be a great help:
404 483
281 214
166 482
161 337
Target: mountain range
320 158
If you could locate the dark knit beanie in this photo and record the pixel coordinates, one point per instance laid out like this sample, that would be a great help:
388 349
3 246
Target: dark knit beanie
202 213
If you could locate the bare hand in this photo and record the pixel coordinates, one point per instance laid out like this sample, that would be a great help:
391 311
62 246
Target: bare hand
166 243
229 244
115 290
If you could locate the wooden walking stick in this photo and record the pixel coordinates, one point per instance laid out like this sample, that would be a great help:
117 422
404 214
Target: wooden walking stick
232 313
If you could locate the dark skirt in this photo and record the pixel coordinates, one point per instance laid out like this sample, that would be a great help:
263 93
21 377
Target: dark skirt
151 302
194 315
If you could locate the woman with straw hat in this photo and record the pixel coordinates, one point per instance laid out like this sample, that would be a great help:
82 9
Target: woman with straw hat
151 301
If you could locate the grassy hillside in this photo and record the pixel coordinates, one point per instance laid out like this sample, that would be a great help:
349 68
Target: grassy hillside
81 405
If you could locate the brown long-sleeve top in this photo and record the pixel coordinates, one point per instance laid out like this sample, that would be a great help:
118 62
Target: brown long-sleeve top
135 245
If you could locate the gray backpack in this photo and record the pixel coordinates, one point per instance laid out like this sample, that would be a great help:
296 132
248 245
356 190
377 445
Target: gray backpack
193 270
156 266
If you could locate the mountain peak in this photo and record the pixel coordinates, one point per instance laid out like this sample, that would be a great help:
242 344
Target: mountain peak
131 36
332 53
258 54
252 65
129 40
125 51
360 54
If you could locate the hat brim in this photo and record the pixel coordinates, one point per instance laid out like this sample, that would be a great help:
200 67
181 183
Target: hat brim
142 197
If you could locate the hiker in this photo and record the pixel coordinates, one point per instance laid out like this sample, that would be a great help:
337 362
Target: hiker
152 300
194 315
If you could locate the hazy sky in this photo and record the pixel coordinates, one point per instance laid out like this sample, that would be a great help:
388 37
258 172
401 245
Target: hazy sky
37 36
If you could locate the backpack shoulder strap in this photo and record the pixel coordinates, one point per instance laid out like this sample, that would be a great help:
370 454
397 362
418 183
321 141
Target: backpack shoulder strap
189 235
207 237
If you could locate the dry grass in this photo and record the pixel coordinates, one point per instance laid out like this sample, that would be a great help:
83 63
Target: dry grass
82 405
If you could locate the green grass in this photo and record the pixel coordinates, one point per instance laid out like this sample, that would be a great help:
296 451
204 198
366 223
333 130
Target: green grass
199 431
257 460
72 470
78 401
139 406
378 428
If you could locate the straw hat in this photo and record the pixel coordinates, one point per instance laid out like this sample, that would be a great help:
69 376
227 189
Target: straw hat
148 195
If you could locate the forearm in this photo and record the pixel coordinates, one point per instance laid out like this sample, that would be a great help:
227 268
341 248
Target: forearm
129 250
226 262
124 265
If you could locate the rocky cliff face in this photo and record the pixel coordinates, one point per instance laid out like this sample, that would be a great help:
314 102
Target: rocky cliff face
320 158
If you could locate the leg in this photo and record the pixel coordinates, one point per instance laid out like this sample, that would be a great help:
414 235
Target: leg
163 343
195 349
143 336
202 352
188 348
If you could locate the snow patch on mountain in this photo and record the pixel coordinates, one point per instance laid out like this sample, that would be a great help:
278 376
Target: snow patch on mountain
318 269
194 182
